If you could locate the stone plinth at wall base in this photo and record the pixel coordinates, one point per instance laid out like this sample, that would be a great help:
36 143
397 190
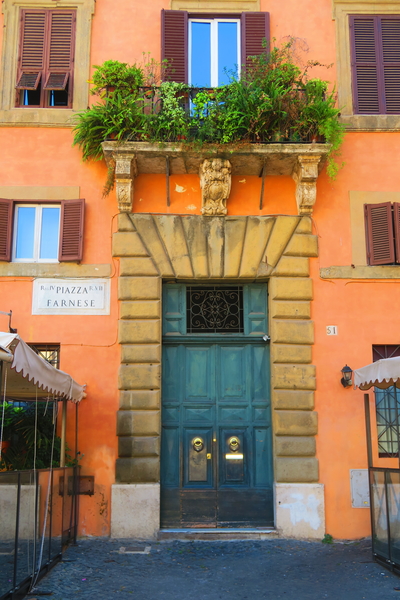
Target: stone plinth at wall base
8 504
135 510
300 510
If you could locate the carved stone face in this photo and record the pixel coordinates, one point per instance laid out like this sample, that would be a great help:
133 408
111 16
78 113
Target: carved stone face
216 164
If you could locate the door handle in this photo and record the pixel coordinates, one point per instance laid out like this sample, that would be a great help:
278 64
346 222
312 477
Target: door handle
198 444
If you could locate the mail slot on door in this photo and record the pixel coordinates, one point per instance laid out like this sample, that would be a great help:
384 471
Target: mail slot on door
234 458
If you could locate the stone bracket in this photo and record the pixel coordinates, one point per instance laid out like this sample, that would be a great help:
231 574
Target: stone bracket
305 175
125 173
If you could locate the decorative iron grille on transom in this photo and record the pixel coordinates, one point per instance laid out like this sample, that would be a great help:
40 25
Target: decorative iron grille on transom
212 309
49 352
387 408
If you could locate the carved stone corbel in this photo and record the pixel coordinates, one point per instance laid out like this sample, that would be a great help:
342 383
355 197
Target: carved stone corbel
125 173
305 175
215 183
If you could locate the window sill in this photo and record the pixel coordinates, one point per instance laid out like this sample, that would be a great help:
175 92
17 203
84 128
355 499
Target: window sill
373 272
371 122
74 270
37 117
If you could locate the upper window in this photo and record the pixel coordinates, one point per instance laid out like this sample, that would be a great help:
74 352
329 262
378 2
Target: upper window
382 228
46 57
375 61
214 51
206 50
44 232
387 408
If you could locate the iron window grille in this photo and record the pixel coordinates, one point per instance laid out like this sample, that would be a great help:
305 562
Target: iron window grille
49 352
387 404
212 309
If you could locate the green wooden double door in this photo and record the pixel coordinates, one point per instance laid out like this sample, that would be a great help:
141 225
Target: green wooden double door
216 452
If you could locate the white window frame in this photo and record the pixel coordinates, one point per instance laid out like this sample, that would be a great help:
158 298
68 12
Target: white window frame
37 233
214 46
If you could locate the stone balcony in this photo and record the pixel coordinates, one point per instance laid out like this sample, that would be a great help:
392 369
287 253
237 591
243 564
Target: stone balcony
303 162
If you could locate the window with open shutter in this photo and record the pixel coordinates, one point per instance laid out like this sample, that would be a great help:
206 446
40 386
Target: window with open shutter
190 42
46 58
382 226
375 62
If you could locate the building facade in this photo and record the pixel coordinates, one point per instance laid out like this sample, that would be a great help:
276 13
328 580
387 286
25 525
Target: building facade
211 342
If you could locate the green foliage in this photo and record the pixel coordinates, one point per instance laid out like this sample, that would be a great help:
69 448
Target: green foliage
19 428
327 539
275 100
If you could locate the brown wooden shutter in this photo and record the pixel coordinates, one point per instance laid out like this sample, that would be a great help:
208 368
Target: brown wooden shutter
254 35
32 49
379 233
71 230
396 220
390 32
366 77
6 220
60 49
174 44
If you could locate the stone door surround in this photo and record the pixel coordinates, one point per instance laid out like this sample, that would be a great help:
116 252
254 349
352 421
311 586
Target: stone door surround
153 248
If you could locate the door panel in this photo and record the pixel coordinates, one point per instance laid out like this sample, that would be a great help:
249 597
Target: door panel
216 456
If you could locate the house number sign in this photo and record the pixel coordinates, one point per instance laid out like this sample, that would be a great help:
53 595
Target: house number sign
71 297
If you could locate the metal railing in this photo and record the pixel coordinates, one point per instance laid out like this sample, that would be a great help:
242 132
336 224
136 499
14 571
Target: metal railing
38 519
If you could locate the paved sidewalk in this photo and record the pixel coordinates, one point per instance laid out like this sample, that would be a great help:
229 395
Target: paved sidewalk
292 570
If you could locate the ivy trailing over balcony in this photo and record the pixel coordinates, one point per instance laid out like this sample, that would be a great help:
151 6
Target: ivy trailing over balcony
275 100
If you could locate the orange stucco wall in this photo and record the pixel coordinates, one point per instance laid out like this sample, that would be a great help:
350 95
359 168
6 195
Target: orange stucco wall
363 310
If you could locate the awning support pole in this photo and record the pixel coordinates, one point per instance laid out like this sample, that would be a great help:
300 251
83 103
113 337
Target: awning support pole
368 430
63 431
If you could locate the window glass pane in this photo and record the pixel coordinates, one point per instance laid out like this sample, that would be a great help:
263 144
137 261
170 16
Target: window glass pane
227 52
50 232
25 231
201 55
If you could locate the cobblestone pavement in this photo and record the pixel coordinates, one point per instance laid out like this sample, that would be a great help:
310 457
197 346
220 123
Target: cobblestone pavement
292 570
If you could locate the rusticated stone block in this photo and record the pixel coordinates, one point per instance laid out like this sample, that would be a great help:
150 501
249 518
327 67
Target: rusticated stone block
141 353
302 245
127 244
139 288
137 470
295 422
291 288
295 446
296 470
292 332
139 377
292 377
150 309
136 422
305 225
137 266
146 331
292 400
290 310
140 400
124 222
290 353
291 266
138 446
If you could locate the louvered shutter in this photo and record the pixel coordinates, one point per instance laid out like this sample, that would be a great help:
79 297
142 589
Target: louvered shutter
367 85
254 35
174 44
71 230
379 233
32 49
390 32
60 49
396 220
6 214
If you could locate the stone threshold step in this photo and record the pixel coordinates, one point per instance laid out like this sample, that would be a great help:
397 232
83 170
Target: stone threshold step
217 534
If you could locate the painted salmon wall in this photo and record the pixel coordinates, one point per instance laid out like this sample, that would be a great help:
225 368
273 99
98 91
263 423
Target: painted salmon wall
363 310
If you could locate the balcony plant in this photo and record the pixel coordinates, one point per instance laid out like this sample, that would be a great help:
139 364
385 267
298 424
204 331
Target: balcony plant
274 100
